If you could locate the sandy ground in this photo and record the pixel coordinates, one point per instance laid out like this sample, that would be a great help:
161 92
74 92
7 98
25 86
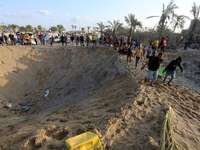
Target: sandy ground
88 89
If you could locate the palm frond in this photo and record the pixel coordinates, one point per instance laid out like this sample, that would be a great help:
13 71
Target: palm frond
152 17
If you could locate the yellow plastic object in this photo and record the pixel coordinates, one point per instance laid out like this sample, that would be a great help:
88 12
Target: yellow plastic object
85 141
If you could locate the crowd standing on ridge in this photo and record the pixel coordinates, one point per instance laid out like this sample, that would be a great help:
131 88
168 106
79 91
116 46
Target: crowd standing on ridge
123 44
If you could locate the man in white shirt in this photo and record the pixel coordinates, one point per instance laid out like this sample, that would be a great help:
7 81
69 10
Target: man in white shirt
125 40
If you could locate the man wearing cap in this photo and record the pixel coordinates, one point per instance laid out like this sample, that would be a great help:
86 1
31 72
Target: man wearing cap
170 69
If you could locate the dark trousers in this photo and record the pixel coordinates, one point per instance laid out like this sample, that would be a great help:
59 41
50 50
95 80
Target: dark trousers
94 42
137 60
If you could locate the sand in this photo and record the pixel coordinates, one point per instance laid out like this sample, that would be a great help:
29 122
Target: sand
88 87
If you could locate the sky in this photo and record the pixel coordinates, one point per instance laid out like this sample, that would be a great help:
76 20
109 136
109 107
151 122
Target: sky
81 13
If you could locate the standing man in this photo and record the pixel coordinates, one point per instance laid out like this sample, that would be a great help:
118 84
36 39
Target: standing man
41 38
72 40
162 44
35 38
22 39
170 69
27 38
62 39
130 40
94 39
137 43
52 40
154 65
11 36
138 54
82 40
125 40
155 44
129 53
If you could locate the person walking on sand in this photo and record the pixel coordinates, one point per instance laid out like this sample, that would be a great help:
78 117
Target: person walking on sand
150 58
170 69
154 65
138 54
129 53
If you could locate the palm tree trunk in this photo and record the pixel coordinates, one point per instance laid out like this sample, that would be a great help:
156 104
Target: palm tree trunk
161 29
189 36
113 32
134 29
130 31
174 29
191 32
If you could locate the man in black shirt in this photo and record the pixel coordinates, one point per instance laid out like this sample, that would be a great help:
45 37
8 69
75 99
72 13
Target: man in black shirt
171 67
72 40
154 65
82 40
62 39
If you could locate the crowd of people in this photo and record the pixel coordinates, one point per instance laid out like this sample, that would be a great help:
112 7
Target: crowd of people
124 45
24 39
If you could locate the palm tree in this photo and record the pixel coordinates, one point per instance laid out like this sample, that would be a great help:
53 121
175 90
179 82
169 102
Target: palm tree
29 28
4 28
115 25
196 18
166 14
60 28
88 27
39 28
178 22
21 28
132 22
82 29
75 27
102 27
72 27
13 27
53 28
35 29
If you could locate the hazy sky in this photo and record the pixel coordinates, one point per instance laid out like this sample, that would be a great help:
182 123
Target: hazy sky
85 13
